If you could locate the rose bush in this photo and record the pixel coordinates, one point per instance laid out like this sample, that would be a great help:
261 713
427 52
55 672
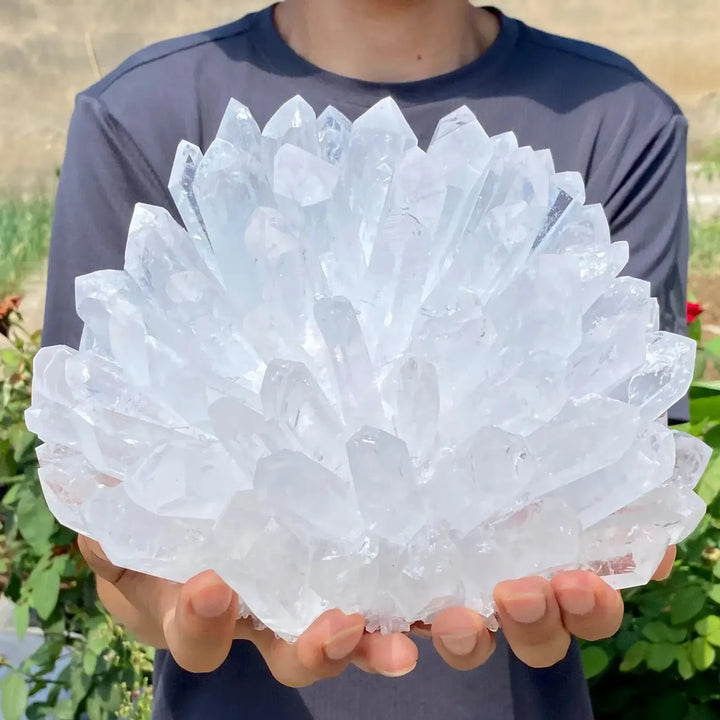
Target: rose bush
86 667
664 662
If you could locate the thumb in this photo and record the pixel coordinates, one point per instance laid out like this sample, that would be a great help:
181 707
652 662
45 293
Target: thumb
200 624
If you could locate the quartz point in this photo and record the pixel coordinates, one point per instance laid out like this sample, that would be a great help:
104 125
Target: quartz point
295 124
309 496
239 128
187 158
334 136
386 486
367 376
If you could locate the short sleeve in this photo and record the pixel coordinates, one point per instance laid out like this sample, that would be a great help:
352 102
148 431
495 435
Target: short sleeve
648 208
103 176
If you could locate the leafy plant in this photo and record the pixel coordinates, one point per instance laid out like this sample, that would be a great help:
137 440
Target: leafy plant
87 666
664 662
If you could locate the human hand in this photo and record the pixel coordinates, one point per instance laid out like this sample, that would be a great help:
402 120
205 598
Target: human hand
197 622
538 617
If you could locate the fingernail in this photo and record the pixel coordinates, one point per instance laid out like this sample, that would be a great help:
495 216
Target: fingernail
526 607
212 602
340 645
460 643
397 673
575 600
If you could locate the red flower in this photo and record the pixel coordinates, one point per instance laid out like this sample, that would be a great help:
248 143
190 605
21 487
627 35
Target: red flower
7 307
693 310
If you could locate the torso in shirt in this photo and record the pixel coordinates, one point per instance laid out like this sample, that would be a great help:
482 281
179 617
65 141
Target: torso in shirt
593 109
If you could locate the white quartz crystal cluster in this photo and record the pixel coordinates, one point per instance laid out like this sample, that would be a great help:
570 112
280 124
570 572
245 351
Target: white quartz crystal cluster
369 376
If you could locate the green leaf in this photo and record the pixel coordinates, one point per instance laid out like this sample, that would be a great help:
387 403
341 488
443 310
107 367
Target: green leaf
64 710
21 613
712 437
714 638
45 657
98 639
708 625
660 656
685 667
90 661
653 604
38 711
705 388
95 709
8 466
10 358
694 331
713 346
35 521
634 656
676 635
79 685
13 696
12 493
709 485
112 697
702 653
45 592
714 594
704 408
701 363
686 604
594 660
22 441
657 631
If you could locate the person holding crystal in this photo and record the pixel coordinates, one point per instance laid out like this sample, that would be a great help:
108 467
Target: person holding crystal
596 112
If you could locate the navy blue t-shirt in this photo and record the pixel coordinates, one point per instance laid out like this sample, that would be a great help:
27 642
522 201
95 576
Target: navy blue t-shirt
596 112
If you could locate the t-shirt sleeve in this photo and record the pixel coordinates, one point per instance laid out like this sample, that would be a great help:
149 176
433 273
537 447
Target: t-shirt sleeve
648 208
103 176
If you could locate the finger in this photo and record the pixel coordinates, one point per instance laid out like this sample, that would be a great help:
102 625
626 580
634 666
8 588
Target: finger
666 565
326 646
142 592
199 622
461 638
322 651
197 619
590 608
98 560
531 620
390 655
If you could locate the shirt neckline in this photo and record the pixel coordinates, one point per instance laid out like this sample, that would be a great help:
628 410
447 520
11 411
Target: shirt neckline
283 59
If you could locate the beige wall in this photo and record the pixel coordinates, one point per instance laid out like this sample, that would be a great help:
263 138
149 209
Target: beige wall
675 42
48 50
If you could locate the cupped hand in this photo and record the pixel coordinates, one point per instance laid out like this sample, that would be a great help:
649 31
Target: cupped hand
538 618
197 622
